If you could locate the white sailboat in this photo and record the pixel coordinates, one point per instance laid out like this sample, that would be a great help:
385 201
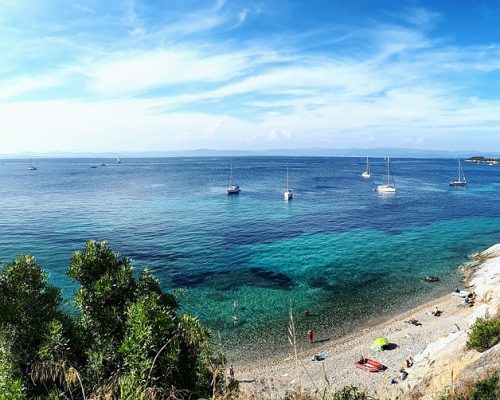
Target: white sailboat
461 177
232 188
390 186
366 174
118 161
32 167
288 192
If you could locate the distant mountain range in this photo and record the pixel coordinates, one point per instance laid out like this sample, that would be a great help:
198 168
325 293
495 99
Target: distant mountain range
311 152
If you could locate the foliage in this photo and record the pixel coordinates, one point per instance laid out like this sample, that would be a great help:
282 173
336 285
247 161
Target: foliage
27 305
484 334
12 390
350 393
127 341
487 389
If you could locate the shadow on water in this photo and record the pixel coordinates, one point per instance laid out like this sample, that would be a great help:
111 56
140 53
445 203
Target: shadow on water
229 280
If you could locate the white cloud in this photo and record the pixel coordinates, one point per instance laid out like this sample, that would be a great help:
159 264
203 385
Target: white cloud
212 129
136 72
277 134
421 17
242 16
28 84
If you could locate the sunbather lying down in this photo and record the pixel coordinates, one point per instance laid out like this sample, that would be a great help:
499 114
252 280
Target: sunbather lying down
436 312
318 357
414 321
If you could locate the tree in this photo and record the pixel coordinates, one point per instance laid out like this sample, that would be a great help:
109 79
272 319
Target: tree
137 343
28 304
128 340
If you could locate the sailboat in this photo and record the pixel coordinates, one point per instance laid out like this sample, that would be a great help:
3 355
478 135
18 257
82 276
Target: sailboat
31 167
366 174
390 186
288 192
232 188
461 177
118 161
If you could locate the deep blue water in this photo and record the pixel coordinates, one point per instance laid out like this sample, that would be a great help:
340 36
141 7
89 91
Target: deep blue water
338 249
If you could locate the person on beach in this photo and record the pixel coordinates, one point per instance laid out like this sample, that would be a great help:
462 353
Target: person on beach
231 372
310 336
402 374
436 312
409 362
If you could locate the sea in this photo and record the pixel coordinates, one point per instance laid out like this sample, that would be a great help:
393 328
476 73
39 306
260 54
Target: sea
349 256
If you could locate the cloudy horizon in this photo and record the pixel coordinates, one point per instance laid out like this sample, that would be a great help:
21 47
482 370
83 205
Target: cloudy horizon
90 76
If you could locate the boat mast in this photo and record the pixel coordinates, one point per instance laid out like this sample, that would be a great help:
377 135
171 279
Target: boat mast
287 179
367 166
388 171
231 175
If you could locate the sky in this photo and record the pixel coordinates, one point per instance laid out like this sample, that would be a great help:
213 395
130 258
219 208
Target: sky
166 75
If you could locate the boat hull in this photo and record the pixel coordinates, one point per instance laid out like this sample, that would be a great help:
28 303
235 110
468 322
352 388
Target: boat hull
288 195
369 365
365 175
385 189
457 183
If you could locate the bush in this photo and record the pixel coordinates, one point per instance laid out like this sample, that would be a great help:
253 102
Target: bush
484 335
487 389
350 393
128 341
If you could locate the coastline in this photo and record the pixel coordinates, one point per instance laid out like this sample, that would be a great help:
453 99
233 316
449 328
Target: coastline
338 368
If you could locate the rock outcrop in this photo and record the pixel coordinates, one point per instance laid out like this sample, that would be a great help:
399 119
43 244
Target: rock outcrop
446 364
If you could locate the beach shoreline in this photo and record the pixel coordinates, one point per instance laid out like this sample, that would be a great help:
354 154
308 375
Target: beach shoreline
338 368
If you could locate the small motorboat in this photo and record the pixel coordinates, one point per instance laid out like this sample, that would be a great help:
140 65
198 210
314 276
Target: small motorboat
369 365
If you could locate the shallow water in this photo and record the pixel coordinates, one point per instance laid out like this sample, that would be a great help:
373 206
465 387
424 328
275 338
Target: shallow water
338 249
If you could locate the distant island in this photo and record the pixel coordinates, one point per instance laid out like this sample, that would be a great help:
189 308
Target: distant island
483 160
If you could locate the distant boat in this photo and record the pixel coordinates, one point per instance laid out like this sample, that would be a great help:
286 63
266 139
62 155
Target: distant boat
103 165
366 174
232 188
118 161
288 191
93 166
461 177
390 186
31 167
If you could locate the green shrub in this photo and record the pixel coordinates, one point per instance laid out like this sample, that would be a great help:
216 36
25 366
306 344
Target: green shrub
484 335
350 393
128 340
487 389
12 390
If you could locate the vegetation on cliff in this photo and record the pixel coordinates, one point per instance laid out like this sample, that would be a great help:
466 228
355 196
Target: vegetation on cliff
484 334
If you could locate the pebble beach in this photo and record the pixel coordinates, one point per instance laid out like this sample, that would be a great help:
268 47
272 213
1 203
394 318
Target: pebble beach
406 340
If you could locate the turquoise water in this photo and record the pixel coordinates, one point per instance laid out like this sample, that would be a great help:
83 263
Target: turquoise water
338 249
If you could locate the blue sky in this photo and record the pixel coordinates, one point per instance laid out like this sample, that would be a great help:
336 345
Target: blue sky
138 75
